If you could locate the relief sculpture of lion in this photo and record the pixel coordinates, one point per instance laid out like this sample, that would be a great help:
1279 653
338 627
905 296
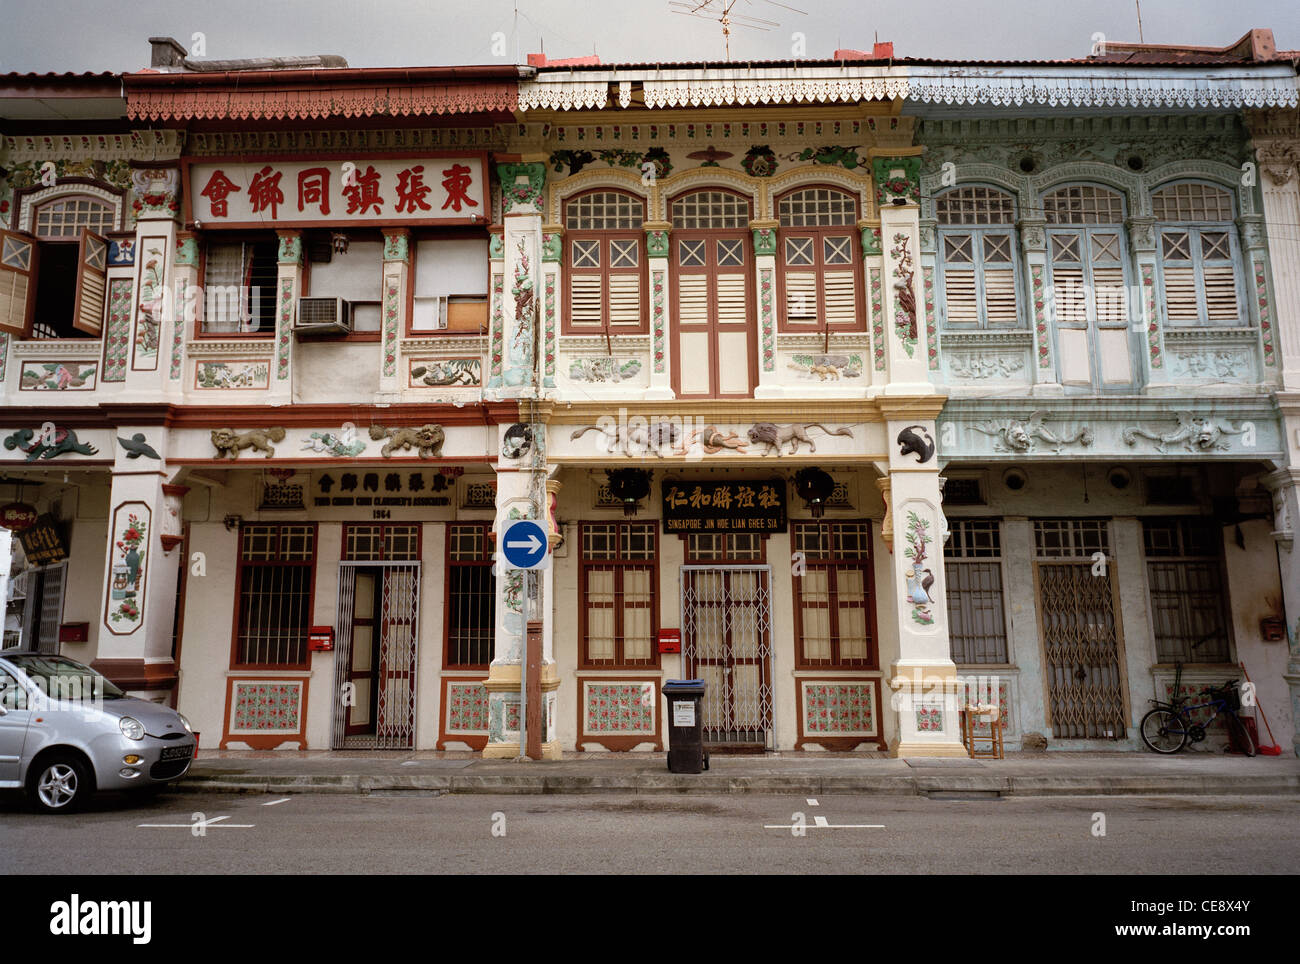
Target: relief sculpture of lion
777 437
427 439
229 442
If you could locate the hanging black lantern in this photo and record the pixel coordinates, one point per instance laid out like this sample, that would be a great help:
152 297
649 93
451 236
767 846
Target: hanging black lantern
815 487
629 486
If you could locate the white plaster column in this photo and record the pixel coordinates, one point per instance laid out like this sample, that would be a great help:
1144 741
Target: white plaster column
1277 145
394 320
658 243
1043 365
765 254
1284 484
141 568
514 334
903 301
157 331
1128 573
923 677
1143 306
1025 649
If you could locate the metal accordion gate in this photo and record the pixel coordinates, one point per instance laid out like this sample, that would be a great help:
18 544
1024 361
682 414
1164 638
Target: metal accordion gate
399 605
1085 682
727 642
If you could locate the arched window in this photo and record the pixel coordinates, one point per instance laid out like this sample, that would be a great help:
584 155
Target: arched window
606 262
712 267
977 254
63 218
1198 254
819 258
1089 297
53 285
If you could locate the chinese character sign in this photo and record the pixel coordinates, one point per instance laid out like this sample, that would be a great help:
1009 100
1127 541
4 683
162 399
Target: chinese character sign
709 506
284 191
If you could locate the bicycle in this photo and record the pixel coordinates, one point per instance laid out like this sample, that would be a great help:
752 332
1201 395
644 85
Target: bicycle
1168 727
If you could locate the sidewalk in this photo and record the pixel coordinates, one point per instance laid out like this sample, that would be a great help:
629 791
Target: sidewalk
1020 774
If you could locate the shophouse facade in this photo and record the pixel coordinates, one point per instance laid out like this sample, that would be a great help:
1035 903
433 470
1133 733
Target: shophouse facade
887 385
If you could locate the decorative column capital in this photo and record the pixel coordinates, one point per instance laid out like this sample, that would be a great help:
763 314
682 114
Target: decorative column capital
656 238
1033 234
898 179
397 245
1141 234
157 193
521 187
764 237
1251 229
552 242
290 247
187 250
871 246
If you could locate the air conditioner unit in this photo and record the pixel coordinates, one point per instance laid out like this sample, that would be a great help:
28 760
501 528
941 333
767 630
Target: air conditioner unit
323 316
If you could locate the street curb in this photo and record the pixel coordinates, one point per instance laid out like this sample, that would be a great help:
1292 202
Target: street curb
975 785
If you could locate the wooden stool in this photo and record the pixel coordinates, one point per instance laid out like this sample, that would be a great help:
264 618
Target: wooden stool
972 717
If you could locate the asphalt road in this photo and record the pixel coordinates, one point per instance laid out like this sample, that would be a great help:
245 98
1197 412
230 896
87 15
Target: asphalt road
653 834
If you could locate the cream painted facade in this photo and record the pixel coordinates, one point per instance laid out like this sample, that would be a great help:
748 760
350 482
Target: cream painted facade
387 459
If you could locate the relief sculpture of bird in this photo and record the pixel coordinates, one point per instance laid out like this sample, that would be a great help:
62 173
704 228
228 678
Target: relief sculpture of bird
136 446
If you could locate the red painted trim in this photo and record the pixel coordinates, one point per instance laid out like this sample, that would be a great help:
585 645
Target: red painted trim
856 266
867 565
485 561
656 660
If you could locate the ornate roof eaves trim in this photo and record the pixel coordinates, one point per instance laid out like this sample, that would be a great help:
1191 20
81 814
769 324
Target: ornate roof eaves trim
1103 87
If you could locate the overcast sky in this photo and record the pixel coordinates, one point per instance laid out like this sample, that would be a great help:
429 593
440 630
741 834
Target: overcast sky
60 35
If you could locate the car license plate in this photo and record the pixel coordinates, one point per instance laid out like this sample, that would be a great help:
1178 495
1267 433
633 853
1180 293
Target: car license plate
176 753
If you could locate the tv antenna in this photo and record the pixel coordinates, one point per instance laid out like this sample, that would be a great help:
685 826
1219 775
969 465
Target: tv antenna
721 11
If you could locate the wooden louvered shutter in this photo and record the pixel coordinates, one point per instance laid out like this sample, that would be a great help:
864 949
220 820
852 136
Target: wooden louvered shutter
959 297
840 301
1000 297
692 298
19 259
1220 292
92 283
1180 293
800 296
1068 292
1110 301
624 299
585 300
732 292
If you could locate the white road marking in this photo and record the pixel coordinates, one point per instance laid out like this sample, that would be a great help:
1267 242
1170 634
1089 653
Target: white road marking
213 822
820 821
274 802
812 802
826 826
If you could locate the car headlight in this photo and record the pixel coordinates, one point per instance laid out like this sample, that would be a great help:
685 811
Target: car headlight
185 722
131 728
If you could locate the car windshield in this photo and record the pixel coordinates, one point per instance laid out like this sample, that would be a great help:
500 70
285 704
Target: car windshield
61 678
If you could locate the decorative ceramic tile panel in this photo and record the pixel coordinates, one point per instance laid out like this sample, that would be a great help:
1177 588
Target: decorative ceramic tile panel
619 707
58 376
839 709
286 329
929 719
877 322
931 334
769 325
657 300
4 354
232 374
266 706
981 690
1040 318
1265 315
117 333
549 308
1153 323
392 313
467 708
498 324
178 336
1191 692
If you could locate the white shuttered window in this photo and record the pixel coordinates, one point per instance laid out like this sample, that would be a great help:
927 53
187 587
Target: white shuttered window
1199 255
977 250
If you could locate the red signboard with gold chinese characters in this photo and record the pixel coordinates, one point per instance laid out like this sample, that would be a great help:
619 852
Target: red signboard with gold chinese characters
17 516
282 192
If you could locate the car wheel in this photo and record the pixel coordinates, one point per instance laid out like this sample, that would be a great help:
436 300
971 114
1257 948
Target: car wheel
59 785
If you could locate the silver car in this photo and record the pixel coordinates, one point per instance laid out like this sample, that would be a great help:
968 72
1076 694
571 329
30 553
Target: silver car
66 731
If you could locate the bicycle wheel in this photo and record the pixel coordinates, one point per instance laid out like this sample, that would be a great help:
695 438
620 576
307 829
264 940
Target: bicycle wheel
1164 731
1240 736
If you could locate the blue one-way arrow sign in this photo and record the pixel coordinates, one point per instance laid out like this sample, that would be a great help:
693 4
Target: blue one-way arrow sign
523 543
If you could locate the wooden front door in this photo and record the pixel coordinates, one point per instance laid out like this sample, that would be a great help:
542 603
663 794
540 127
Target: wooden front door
727 642
364 658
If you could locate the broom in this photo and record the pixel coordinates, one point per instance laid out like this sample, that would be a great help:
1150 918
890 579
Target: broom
1263 749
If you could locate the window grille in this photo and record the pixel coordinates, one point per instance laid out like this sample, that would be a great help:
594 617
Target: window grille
277 565
975 205
818 207
381 543
1071 538
972 564
710 211
1083 204
471 596
1191 202
1184 575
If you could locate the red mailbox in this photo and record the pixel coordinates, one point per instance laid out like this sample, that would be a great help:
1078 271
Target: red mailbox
320 639
670 640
